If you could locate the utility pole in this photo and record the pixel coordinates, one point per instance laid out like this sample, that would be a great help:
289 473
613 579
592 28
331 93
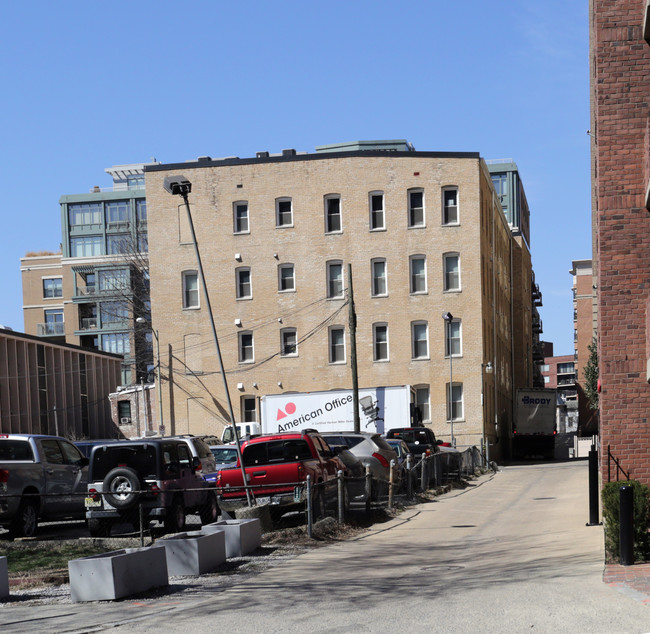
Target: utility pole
353 354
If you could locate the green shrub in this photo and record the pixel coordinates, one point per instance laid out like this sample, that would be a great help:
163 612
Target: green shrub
611 504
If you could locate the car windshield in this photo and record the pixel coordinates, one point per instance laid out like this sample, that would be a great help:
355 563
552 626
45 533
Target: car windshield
411 435
224 454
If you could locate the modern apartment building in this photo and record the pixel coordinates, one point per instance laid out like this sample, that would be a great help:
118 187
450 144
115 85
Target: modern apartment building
423 235
55 388
585 315
93 291
620 142
560 374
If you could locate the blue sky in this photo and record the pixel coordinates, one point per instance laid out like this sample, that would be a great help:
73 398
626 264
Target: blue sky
88 85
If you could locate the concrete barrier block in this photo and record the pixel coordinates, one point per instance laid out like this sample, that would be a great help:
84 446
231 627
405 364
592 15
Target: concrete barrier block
242 536
4 578
193 553
117 574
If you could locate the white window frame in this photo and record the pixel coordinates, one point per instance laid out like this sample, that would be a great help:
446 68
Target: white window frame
450 327
445 208
188 303
378 344
416 326
245 411
329 266
236 219
284 333
413 278
52 280
278 202
240 285
411 210
376 280
329 215
457 395
374 214
334 347
243 347
446 273
286 267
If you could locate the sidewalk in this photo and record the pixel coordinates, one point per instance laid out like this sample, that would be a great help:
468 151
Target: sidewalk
633 581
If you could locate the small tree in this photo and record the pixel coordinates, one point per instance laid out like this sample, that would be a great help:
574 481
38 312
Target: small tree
591 376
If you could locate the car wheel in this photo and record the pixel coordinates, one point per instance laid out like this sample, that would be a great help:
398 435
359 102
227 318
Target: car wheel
26 521
209 511
175 519
122 487
99 528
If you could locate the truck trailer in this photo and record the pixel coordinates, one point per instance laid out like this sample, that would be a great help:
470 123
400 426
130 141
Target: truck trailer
380 409
535 427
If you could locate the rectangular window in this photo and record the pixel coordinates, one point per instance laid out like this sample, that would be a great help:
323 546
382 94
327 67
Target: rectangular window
500 184
377 218
418 265
422 403
249 409
333 214
53 287
141 210
456 401
450 206
453 338
337 344
288 342
283 212
240 214
286 278
379 283
380 342
118 343
420 340
113 280
143 243
117 211
334 279
246 347
113 312
190 289
244 286
53 323
452 271
86 246
118 243
416 208
84 214
124 410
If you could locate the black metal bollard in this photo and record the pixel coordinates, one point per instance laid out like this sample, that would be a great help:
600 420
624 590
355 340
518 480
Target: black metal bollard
593 487
626 525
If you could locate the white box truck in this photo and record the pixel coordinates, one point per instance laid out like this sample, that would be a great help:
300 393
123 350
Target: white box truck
380 409
535 426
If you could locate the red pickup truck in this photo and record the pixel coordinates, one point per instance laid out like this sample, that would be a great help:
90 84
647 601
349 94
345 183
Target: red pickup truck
277 466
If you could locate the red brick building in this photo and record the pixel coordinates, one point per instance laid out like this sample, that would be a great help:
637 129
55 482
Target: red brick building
620 79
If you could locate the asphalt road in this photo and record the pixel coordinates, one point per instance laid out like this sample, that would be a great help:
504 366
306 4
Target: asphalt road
511 553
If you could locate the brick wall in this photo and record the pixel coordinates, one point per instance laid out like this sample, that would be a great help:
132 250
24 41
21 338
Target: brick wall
620 82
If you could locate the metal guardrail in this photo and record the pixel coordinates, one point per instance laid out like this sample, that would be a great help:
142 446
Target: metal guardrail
619 469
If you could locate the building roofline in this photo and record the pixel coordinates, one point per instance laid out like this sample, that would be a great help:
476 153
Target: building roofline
207 161
70 346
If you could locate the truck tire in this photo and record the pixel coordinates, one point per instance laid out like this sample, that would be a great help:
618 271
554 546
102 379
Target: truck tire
99 528
209 511
122 487
175 518
25 523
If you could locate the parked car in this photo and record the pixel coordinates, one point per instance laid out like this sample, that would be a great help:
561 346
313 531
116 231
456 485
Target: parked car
371 449
201 450
158 474
224 455
420 440
276 467
41 478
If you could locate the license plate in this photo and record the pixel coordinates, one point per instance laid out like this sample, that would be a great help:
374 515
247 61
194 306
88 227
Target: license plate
264 500
92 502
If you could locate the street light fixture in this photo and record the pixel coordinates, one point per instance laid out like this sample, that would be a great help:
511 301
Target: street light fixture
449 318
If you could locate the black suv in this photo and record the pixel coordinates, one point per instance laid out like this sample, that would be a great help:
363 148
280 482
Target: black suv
157 475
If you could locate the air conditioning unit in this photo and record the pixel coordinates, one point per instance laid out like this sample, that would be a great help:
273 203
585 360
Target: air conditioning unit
125 420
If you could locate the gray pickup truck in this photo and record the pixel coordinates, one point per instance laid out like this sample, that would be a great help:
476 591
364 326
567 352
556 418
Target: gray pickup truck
41 478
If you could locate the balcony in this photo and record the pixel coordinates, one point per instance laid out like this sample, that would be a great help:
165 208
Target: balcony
56 329
88 323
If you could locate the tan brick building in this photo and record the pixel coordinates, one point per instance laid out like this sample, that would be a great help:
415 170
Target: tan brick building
424 235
